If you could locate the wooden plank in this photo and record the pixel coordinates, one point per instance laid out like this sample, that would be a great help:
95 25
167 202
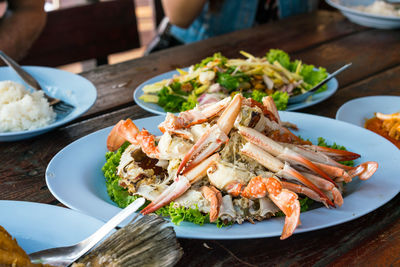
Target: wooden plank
369 51
115 84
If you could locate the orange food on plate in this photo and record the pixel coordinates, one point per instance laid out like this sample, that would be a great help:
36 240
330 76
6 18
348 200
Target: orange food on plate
386 125
11 254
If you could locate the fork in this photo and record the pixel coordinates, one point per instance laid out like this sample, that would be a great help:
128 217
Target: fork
59 106
64 256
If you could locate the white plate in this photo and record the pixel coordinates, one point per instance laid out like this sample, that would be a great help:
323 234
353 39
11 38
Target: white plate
358 110
332 86
364 18
38 226
77 181
71 88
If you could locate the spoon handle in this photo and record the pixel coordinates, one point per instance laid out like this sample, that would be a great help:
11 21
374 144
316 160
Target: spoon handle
64 256
26 77
92 240
330 76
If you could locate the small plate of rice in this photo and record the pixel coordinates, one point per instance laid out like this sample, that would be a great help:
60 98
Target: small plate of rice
25 113
370 13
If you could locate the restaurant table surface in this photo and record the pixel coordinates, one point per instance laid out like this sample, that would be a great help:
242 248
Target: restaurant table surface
322 38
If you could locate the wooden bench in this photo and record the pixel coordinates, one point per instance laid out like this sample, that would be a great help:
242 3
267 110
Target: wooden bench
91 31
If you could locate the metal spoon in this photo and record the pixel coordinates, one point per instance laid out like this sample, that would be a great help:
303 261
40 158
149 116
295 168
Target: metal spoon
304 96
64 256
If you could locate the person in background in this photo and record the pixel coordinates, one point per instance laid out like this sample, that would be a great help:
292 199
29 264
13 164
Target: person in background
195 20
21 22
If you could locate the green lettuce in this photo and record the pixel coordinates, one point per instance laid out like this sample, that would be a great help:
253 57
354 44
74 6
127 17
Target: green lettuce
310 74
205 61
281 99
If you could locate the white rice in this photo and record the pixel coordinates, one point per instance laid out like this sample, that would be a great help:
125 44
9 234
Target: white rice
21 110
380 8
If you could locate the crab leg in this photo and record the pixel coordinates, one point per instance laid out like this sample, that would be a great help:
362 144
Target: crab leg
215 198
278 150
181 184
315 156
335 154
275 165
301 189
214 137
188 118
364 171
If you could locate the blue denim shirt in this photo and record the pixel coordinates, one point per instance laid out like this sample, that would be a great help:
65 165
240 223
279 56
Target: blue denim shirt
234 15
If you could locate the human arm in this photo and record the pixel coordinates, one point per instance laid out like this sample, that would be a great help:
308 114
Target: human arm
21 25
182 12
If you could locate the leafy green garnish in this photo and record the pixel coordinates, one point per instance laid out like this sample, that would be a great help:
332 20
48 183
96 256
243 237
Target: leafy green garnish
280 56
117 194
190 103
228 81
169 101
281 99
310 76
216 56
258 95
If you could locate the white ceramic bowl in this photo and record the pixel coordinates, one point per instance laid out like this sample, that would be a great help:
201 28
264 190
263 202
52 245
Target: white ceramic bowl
363 18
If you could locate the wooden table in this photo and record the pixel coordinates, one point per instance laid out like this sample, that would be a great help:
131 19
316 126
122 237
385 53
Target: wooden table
324 39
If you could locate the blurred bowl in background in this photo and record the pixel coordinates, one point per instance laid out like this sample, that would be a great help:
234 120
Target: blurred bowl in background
364 18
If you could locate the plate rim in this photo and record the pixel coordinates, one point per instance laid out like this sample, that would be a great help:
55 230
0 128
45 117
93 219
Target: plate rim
183 232
360 99
67 213
62 121
331 90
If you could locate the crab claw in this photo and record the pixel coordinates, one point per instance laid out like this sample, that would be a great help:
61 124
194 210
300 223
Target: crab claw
114 140
269 104
181 184
365 170
285 200
258 187
215 198
288 203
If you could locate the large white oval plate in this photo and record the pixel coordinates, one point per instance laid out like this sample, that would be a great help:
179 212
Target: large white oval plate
38 226
71 88
358 110
74 177
332 86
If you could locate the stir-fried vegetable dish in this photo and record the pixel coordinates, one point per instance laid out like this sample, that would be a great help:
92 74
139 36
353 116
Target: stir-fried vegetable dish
217 77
